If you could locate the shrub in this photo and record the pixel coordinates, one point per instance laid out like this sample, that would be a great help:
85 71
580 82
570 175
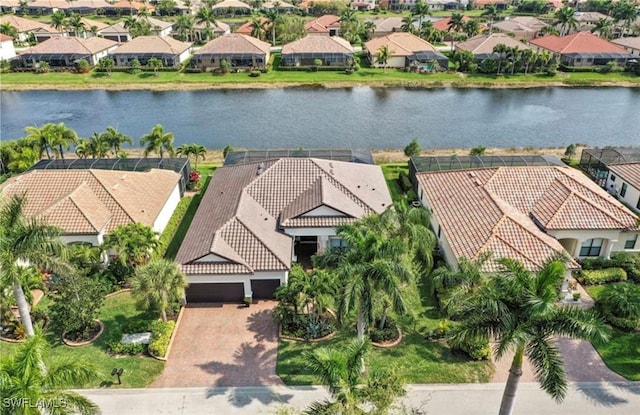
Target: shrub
388 333
43 67
620 305
77 303
602 276
136 326
405 182
477 349
478 151
225 67
412 149
82 66
160 337
254 74
115 346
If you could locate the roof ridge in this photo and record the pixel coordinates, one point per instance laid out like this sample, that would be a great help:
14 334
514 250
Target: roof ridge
115 199
82 212
343 188
493 234
564 202
241 222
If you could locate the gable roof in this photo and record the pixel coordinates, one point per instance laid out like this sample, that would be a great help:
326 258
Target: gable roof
400 44
85 4
153 44
235 43
242 212
26 25
115 28
318 44
322 24
484 44
86 201
71 46
482 210
629 172
126 4
5 38
231 4
388 24
88 23
579 42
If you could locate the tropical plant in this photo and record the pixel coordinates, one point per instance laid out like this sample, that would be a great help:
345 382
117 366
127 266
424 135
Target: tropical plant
626 12
566 19
40 138
157 141
500 50
30 376
59 20
420 9
382 56
115 139
258 27
472 28
184 27
413 148
75 23
570 151
133 243
520 311
413 226
492 13
60 137
408 24
155 64
604 28
27 241
106 64
272 20
7 29
205 15
619 304
157 284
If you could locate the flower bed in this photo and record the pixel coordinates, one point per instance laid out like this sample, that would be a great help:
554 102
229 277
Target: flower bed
389 336
299 328
88 336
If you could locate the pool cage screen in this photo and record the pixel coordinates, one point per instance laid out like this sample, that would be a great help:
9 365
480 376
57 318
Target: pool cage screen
254 156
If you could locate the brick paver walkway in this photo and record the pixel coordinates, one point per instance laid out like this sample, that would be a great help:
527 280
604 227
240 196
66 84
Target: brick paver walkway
223 345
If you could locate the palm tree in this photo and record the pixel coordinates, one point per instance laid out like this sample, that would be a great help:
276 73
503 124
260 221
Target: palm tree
157 141
513 54
565 17
185 150
501 50
29 376
472 28
61 136
83 148
184 27
456 24
59 20
158 283
258 27
415 229
604 27
199 151
272 18
133 243
492 13
115 139
382 56
407 24
27 240
75 22
626 12
520 311
156 64
7 29
421 9
98 147
527 56
205 15
40 139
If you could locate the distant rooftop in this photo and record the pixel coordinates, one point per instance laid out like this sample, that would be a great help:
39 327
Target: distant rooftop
446 163
252 156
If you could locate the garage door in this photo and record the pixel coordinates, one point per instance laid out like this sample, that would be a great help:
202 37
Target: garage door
215 293
264 289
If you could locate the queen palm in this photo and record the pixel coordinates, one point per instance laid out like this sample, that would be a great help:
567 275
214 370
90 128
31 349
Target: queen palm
115 139
272 18
382 56
39 137
9 30
75 22
184 27
157 141
133 243
26 240
566 19
413 226
30 375
257 27
456 24
520 311
421 9
59 20
60 137
205 15
199 151
158 283
626 12
491 12
407 24
604 27
501 50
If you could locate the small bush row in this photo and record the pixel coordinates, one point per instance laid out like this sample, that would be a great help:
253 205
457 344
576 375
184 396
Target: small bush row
115 346
602 276
160 337
629 262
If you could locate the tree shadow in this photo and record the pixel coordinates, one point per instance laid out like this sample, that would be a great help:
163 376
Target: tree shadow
261 324
602 393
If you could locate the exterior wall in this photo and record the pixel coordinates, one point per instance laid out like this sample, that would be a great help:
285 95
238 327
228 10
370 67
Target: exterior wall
393 62
95 58
443 242
245 279
611 239
167 210
623 238
184 55
323 234
632 195
323 211
7 51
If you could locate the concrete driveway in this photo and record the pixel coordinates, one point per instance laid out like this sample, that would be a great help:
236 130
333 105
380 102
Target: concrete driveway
223 345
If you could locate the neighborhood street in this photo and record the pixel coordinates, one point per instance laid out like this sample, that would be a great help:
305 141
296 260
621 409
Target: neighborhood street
621 398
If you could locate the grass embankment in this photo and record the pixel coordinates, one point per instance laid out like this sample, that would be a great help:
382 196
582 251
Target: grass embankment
116 311
326 79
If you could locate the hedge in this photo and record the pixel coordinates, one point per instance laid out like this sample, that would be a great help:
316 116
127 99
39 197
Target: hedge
160 337
477 349
602 276
629 262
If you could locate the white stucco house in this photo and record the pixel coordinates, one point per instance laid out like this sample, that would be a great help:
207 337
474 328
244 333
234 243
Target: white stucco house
7 50
88 204
528 213
256 219
624 181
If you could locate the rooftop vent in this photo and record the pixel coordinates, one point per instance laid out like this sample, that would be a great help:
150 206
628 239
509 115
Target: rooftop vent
260 168
478 182
472 174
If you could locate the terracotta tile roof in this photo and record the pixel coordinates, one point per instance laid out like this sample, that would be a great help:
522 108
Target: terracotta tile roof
484 44
126 4
579 42
50 4
318 44
235 43
71 46
231 3
443 24
629 172
400 44
238 225
322 24
513 25
89 23
153 44
115 28
628 42
277 4
590 17
246 29
528 21
5 38
89 4
85 201
487 210
26 25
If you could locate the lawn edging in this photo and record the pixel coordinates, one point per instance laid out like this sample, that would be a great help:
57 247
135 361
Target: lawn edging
122 291
300 339
388 345
173 336
85 342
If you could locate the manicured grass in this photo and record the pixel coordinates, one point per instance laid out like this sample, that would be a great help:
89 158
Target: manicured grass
594 290
138 371
391 173
167 237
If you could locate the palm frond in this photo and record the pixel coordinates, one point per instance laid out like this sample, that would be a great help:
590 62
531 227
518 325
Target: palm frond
549 369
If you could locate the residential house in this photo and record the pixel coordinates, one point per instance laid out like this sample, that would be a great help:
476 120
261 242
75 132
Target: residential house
170 51
158 27
362 5
279 6
482 45
624 179
7 50
64 52
587 20
387 25
116 32
405 49
40 7
500 4
231 8
256 219
127 8
9 6
630 44
200 31
443 24
331 50
88 204
529 213
28 27
582 49
85 6
520 27
327 25
91 28
246 29
241 51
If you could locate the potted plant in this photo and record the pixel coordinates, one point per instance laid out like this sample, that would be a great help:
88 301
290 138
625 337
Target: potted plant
247 301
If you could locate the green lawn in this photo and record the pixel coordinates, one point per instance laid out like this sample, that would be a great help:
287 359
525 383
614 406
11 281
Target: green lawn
391 173
138 371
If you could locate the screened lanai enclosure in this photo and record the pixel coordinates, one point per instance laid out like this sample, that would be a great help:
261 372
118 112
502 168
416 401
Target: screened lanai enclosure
237 60
254 156
594 161
125 59
55 60
594 59
427 59
309 58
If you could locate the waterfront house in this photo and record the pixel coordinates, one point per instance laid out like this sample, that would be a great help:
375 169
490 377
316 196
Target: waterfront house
279 6
630 44
127 8
88 204
40 7
331 50
28 27
405 49
7 50
64 52
257 218
200 29
443 24
170 51
158 27
588 20
85 6
116 32
520 27
582 49
91 28
482 46
240 51
479 206
327 25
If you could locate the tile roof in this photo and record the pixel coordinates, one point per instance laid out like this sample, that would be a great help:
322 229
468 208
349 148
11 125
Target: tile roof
590 17
388 24
5 38
629 172
528 21
520 24
26 25
71 46
85 201
89 4
322 24
484 210
628 42
153 44
579 42
242 213
114 28
126 4
443 24
90 23
484 44
318 44
219 27
235 43
277 4
246 28
231 3
400 44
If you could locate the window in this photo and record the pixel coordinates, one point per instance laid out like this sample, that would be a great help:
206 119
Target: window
631 242
613 178
623 191
591 247
337 243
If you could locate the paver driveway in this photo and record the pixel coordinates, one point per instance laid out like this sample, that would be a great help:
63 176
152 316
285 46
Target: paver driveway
223 345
